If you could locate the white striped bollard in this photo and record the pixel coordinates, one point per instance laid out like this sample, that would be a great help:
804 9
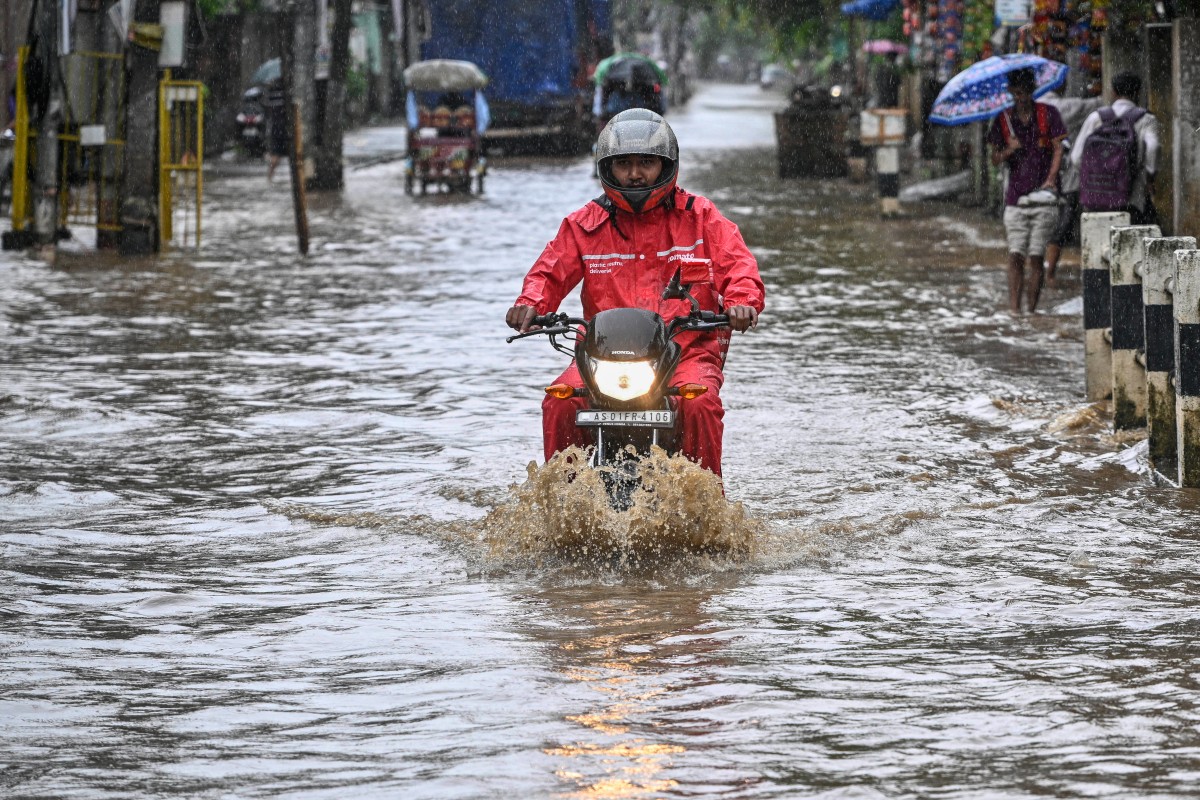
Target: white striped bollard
1187 365
1127 247
883 129
1097 310
887 175
1158 268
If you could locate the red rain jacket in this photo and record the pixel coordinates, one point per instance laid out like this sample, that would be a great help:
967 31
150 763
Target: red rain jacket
627 261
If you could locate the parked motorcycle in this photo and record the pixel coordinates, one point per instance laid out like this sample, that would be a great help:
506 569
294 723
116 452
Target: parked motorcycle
252 122
626 357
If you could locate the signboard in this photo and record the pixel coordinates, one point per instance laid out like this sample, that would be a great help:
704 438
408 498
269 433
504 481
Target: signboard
324 52
1012 13
172 14
91 135
882 126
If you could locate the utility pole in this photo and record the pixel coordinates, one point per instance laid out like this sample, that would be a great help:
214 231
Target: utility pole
329 173
44 60
290 34
139 195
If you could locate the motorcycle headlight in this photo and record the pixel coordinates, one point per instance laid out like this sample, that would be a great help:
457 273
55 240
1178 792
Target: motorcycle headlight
623 380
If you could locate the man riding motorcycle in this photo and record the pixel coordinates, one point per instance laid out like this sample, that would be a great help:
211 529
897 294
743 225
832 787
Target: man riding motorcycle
625 246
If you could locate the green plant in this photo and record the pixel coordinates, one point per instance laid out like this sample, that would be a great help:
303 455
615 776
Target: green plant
356 84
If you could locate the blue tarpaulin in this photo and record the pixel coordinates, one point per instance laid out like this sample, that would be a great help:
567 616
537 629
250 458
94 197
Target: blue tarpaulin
526 49
870 9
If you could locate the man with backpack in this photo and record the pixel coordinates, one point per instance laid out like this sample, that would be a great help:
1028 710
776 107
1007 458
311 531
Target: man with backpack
1027 140
1117 155
1074 110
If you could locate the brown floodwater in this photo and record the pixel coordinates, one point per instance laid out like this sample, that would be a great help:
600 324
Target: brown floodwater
276 526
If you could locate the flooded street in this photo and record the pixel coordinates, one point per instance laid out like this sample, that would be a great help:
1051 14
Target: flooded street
267 528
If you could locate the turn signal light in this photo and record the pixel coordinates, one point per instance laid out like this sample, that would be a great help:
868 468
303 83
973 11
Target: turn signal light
690 391
561 390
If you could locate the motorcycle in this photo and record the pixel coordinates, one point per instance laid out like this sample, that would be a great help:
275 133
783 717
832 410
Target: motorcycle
626 357
252 122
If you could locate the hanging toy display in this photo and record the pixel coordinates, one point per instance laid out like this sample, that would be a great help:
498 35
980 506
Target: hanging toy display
977 31
1087 45
912 17
950 25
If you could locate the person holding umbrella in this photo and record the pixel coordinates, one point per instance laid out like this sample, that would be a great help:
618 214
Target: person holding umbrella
1027 140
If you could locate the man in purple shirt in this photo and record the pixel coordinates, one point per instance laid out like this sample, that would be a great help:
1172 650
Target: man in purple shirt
1027 140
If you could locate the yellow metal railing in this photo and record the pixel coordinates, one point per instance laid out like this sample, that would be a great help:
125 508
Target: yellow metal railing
180 161
90 156
20 167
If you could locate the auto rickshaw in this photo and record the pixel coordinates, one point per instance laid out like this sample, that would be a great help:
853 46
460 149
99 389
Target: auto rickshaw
447 115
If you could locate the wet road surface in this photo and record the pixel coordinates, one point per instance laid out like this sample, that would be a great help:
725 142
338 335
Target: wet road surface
268 523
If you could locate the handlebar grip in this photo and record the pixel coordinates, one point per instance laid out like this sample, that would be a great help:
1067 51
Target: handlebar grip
545 320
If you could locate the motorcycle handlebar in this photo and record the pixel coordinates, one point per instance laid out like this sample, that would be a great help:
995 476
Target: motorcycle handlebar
551 324
704 321
701 321
552 320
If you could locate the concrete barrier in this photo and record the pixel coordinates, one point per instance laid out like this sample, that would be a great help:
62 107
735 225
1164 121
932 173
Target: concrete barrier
1097 305
1186 296
1153 333
1158 272
884 129
1126 248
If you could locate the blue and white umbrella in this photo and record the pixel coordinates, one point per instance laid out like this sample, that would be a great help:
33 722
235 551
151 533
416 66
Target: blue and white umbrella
870 9
981 90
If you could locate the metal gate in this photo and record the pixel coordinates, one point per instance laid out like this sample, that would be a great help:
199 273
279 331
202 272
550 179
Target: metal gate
180 162
91 146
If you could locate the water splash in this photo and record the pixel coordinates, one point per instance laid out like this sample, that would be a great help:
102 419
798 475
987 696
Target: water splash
561 513
1089 420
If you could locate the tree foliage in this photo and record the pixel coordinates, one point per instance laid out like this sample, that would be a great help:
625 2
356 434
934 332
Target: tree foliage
794 26
212 8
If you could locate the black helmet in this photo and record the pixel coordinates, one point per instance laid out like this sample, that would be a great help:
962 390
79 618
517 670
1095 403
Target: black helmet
637 131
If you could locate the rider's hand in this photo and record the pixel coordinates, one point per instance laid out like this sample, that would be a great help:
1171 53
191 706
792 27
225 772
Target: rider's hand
742 317
519 317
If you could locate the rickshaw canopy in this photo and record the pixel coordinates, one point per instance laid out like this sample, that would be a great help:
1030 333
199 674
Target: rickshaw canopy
444 75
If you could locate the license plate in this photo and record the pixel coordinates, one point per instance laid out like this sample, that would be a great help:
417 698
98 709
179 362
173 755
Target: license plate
641 419
250 133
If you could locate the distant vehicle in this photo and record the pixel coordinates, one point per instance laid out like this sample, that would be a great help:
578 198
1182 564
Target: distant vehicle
776 76
252 116
538 56
252 123
447 115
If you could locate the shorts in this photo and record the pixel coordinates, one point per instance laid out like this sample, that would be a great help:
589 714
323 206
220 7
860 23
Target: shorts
1029 228
1066 230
